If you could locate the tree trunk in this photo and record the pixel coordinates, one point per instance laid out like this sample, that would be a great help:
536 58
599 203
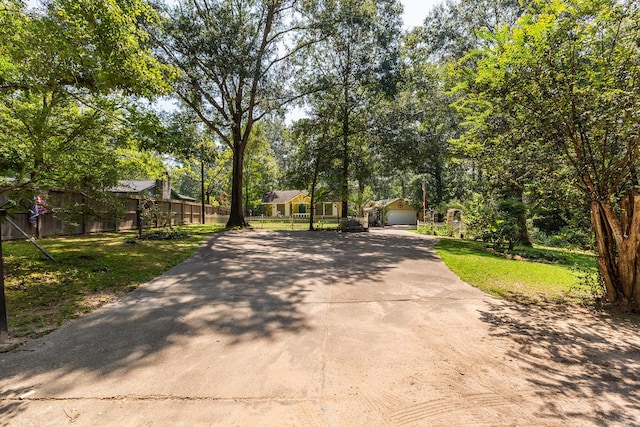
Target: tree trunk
439 184
314 181
523 232
246 195
345 188
236 216
345 138
311 208
618 244
345 160
361 188
521 218
203 210
4 325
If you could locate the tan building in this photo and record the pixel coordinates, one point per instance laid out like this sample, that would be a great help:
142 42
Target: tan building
392 212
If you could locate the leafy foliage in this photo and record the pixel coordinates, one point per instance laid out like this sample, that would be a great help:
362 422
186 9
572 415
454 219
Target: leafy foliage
352 68
452 28
62 73
563 83
260 170
233 58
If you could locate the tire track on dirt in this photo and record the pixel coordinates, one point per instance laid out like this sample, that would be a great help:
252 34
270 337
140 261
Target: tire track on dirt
422 411
307 414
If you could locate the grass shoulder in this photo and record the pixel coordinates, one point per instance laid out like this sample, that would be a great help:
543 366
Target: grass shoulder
90 271
527 275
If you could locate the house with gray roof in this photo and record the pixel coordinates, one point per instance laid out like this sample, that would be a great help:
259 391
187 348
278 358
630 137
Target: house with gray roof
160 188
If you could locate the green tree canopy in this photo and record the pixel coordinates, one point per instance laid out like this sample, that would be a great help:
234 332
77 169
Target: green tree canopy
234 57
564 80
63 71
352 68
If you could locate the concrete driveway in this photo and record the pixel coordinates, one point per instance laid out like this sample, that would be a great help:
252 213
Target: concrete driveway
322 329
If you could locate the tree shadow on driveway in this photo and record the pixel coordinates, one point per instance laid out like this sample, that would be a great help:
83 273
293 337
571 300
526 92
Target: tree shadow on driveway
574 355
244 286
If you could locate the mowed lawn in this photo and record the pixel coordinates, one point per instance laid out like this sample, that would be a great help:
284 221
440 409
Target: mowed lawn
554 276
89 271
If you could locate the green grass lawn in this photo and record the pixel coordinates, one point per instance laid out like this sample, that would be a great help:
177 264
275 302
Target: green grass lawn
525 281
90 270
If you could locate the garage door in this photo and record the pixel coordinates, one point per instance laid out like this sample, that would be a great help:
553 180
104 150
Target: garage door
395 217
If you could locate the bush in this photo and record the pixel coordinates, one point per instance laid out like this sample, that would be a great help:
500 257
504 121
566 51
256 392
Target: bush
480 216
590 284
434 230
166 234
567 237
150 214
535 254
495 224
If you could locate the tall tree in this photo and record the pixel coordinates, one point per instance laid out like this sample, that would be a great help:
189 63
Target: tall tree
352 67
451 29
311 159
182 135
57 72
50 65
567 76
417 126
139 164
234 56
97 44
50 140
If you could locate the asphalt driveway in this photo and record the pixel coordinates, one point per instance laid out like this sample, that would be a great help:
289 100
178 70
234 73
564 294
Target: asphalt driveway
322 329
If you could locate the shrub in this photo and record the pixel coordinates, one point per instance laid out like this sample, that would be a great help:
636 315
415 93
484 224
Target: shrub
589 284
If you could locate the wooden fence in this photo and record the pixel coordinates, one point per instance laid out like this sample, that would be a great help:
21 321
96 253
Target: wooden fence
124 217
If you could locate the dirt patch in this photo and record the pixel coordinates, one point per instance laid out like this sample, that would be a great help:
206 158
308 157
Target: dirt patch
573 355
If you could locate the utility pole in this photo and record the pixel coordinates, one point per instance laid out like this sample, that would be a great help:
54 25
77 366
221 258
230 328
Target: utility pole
424 202
202 188
4 325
